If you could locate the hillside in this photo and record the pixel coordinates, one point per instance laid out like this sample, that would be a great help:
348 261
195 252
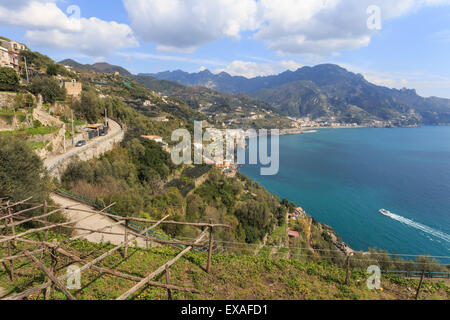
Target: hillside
232 277
234 111
337 95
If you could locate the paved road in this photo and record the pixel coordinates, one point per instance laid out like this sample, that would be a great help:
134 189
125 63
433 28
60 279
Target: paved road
95 222
52 162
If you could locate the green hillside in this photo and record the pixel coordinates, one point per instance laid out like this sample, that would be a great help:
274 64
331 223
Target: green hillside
232 277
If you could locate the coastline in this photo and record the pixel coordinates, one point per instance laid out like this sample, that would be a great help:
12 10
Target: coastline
418 241
343 247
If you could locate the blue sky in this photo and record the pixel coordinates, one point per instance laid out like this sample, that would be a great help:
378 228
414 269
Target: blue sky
245 37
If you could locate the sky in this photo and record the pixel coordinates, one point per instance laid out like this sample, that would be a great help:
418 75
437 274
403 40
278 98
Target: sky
395 43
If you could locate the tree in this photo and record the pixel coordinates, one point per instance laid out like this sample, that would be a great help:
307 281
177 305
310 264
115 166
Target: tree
8 76
23 101
90 107
22 173
52 69
49 88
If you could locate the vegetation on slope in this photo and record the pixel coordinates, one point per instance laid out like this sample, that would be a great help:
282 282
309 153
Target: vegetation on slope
22 173
232 277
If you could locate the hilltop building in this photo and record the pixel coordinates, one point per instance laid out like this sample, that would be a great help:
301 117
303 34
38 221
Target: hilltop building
12 45
293 234
9 53
157 139
73 88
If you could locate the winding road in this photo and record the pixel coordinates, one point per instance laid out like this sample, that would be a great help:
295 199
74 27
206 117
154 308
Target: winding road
93 148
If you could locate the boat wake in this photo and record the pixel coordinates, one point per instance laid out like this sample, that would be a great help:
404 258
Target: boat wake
419 226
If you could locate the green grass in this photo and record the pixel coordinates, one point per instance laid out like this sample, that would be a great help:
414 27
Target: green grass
37 145
232 277
278 236
31 131
8 116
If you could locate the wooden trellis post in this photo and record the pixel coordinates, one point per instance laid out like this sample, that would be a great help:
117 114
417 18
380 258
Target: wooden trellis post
54 263
46 219
211 242
420 284
13 228
347 268
125 240
8 246
169 292
51 275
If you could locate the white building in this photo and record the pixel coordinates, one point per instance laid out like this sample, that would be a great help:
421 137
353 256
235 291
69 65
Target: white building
9 58
153 138
11 45
4 57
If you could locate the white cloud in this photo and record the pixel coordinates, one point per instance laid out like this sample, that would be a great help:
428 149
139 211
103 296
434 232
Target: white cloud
48 26
319 27
253 69
37 15
323 27
150 56
184 25
96 37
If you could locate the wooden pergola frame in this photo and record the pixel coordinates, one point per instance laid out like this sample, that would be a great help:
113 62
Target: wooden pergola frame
9 238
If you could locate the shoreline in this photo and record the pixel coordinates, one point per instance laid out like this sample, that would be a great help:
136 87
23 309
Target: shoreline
431 249
342 246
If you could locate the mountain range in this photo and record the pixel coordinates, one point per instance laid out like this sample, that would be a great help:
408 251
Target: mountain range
327 92
96 67
324 92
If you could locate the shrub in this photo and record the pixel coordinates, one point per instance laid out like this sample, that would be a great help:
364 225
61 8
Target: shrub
21 171
52 69
8 76
23 101
49 88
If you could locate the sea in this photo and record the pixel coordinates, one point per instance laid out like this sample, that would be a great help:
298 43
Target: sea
343 177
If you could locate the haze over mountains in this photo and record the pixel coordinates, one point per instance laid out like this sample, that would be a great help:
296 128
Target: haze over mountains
325 92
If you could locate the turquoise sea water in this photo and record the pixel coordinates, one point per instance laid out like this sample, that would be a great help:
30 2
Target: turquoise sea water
343 177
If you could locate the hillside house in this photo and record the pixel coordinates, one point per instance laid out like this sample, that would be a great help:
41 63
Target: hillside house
9 58
11 45
157 139
293 234
73 88
223 164
4 57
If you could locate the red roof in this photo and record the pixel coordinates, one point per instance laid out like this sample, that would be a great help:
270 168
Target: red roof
293 234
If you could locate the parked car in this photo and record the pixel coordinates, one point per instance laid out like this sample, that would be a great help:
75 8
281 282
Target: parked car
103 132
80 143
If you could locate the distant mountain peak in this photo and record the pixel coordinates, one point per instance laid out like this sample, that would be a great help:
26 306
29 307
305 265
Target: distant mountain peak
206 71
103 67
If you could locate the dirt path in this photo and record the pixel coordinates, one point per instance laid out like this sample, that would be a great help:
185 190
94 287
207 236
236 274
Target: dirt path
95 222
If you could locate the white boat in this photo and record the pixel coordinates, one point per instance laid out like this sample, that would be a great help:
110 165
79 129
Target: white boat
385 212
